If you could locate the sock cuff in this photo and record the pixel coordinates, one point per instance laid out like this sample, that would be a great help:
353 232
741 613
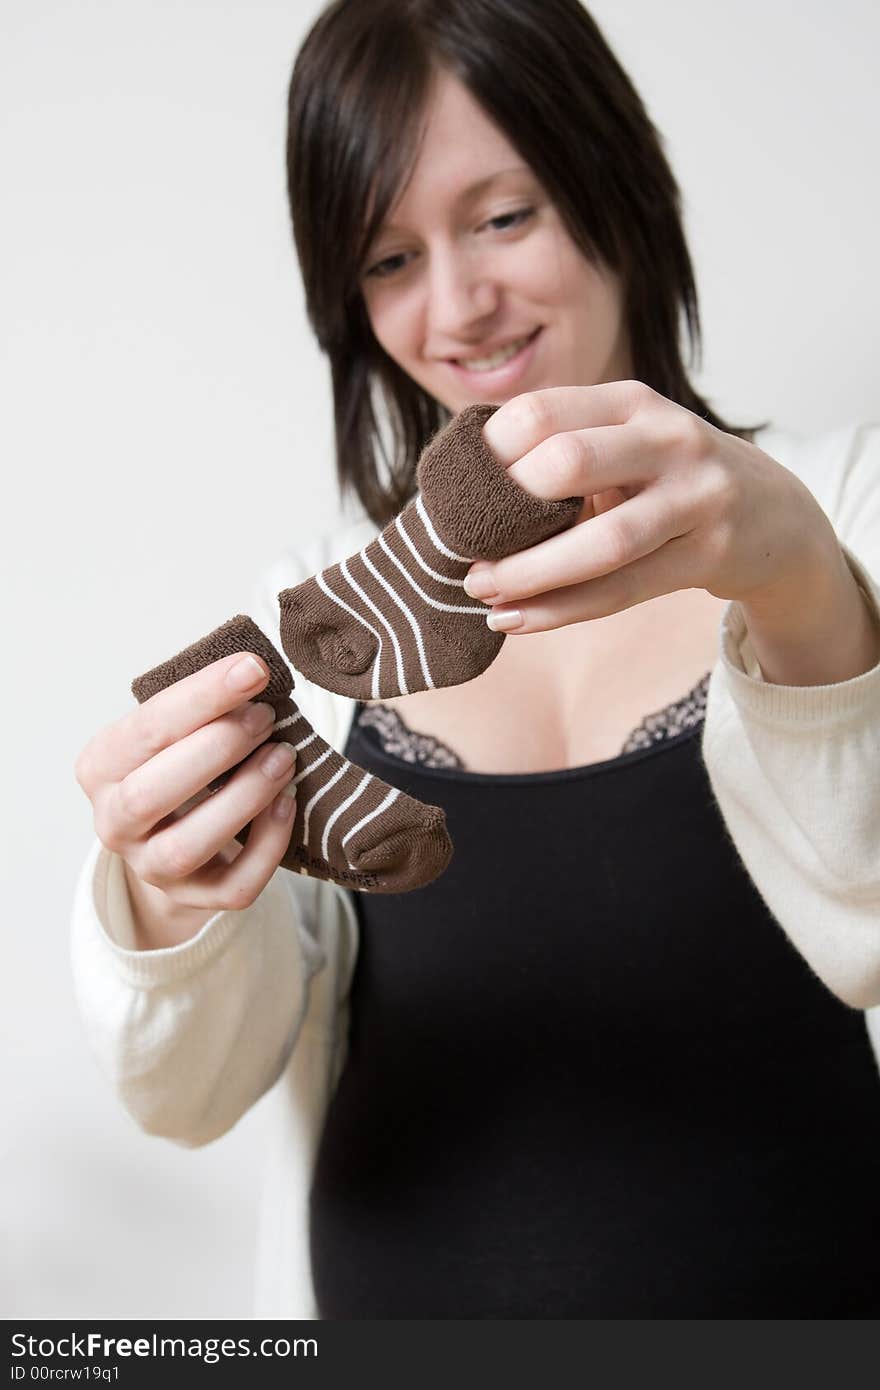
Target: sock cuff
238 634
479 511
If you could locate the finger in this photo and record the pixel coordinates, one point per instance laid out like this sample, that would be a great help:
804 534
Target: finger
524 421
232 884
663 572
179 849
581 463
170 715
592 548
167 781
229 853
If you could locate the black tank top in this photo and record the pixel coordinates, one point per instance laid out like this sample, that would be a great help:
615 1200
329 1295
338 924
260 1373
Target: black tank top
588 1076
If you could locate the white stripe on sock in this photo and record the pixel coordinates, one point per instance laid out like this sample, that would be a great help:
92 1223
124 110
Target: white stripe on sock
322 791
305 743
434 603
286 722
429 527
401 679
371 815
435 574
410 617
311 767
349 801
322 584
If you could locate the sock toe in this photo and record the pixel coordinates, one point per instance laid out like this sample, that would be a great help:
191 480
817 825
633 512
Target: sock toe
423 842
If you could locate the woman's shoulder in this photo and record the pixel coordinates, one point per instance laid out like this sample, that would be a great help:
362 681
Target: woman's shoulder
832 449
834 463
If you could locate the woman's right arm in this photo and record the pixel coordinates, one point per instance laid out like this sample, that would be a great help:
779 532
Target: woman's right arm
190 968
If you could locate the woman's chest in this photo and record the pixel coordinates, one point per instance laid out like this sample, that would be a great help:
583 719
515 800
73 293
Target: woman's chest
572 697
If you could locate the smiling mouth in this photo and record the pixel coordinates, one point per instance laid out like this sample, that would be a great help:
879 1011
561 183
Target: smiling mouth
496 359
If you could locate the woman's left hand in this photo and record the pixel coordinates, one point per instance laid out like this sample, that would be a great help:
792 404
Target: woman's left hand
670 502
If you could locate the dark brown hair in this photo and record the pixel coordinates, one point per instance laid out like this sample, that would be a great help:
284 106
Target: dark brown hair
544 74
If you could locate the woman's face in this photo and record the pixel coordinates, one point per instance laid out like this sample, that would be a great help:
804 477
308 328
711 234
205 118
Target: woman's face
474 265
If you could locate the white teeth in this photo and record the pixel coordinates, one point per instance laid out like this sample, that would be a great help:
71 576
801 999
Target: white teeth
485 364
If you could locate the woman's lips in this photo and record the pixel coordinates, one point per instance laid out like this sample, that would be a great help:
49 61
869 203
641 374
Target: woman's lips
499 378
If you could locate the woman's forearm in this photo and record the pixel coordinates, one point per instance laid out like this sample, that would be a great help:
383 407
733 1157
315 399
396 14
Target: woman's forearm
825 637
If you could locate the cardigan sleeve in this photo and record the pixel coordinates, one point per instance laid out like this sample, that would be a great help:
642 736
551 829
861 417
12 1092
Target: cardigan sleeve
191 1036
796 769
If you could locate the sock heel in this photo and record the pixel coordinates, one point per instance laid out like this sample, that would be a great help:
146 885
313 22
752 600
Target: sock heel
351 651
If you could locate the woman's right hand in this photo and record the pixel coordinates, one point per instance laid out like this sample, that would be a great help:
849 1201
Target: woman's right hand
147 777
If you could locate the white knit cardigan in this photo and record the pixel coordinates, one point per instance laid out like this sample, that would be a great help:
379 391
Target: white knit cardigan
193 1035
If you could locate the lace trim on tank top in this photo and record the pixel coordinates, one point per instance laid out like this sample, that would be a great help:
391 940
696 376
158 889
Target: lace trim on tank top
404 743
397 739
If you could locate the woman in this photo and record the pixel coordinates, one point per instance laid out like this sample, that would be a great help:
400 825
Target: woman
613 1062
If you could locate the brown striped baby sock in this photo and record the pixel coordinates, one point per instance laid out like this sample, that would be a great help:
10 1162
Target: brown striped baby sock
395 617
349 827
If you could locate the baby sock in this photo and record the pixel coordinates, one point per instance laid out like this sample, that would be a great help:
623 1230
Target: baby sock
349 827
395 618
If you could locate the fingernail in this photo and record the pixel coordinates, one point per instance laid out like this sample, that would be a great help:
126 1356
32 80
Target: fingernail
258 717
504 619
480 584
277 759
283 806
245 673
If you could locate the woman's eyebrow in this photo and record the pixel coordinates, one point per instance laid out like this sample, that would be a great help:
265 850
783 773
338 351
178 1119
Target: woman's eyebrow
471 193
473 190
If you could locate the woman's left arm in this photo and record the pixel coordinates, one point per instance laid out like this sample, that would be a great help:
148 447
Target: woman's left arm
672 503
793 759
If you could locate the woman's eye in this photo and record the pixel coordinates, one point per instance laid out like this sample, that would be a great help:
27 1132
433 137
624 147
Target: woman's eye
387 267
511 219
504 222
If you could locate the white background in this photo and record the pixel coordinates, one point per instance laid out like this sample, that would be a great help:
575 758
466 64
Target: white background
166 432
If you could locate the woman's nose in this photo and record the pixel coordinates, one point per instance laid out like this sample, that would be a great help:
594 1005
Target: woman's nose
461 295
